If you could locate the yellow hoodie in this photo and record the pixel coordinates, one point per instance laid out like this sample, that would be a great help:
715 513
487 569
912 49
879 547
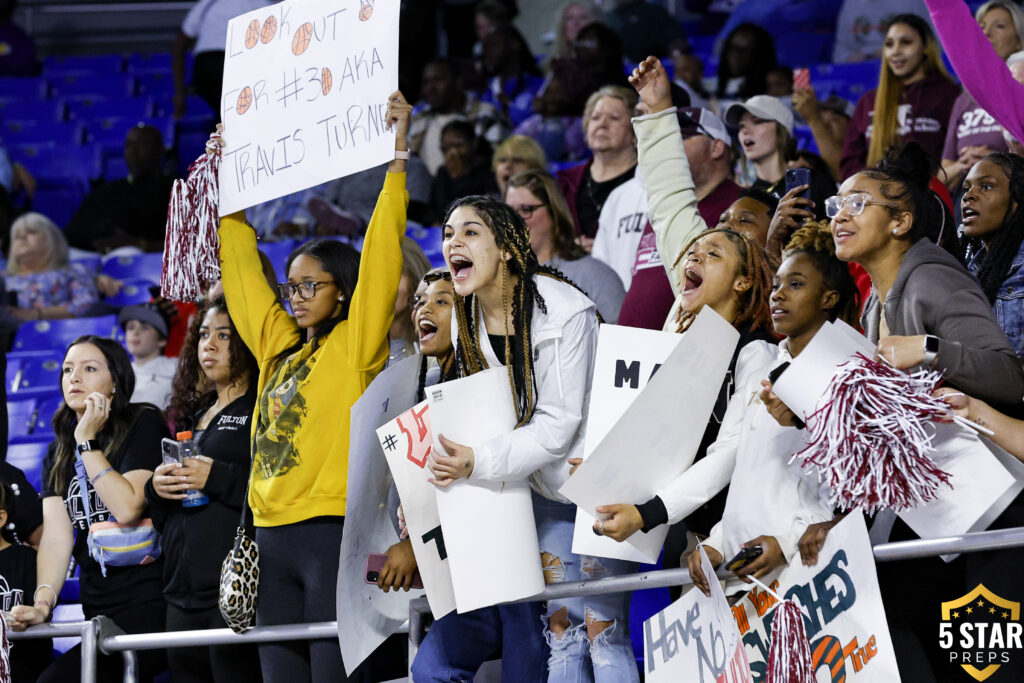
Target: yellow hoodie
301 426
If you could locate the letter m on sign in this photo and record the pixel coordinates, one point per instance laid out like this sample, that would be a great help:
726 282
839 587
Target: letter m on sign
627 373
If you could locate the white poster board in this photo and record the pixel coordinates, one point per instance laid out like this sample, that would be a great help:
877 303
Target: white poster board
406 441
843 612
695 639
305 90
984 479
626 359
489 529
371 615
657 437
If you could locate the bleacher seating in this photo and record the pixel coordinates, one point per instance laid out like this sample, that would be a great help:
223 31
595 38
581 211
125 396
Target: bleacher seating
37 376
98 65
133 292
21 418
57 334
28 457
137 267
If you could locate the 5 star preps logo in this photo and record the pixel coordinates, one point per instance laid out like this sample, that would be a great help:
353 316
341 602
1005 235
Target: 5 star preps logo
981 631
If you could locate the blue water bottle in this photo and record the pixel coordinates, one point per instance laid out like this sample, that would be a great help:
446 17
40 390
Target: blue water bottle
187 449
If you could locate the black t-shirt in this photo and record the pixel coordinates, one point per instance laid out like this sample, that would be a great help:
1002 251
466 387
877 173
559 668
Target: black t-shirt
28 508
123 585
17 586
591 198
196 539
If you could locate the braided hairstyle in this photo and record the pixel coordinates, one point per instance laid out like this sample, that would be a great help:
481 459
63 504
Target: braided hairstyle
1006 241
755 264
512 236
814 239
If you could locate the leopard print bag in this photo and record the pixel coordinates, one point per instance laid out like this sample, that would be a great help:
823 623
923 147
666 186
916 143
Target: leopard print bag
240 581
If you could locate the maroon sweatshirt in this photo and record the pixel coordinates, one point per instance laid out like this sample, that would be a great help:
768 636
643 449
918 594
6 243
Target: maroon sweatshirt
650 296
923 117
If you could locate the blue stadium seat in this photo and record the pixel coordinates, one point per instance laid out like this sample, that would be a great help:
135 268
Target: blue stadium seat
278 253
88 108
156 83
62 134
28 457
87 259
57 334
108 86
28 110
38 376
98 65
50 162
113 129
45 410
32 88
21 416
138 267
58 199
149 63
429 239
133 292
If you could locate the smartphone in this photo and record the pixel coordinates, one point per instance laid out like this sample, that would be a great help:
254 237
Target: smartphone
744 557
171 452
773 377
375 562
802 79
795 177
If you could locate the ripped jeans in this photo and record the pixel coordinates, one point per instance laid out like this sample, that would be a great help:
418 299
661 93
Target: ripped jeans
574 658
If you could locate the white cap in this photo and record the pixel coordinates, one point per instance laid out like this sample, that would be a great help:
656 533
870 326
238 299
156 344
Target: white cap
764 107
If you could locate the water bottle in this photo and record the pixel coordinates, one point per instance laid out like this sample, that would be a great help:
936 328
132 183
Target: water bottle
187 449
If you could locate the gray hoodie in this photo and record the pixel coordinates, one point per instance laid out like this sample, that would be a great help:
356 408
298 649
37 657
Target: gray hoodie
934 294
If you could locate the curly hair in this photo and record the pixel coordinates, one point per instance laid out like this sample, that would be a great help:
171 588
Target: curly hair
1006 242
814 239
192 391
755 264
512 236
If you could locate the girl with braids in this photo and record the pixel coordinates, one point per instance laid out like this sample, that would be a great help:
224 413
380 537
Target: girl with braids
913 101
924 309
992 207
214 397
312 368
112 447
511 311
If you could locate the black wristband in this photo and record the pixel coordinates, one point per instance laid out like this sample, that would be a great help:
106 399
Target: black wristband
653 513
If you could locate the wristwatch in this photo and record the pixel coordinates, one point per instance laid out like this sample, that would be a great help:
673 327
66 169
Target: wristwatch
402 154
88 445
931 350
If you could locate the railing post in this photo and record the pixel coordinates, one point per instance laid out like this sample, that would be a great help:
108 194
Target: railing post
106 627
417 608
89 638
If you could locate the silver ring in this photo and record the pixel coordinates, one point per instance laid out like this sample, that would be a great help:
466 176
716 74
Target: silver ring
600 527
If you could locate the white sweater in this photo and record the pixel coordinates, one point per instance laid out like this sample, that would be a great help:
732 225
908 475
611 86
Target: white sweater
620 227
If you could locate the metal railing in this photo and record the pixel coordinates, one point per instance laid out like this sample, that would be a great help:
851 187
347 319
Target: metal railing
101 634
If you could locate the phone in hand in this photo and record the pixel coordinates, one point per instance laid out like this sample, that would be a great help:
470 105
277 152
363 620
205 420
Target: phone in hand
795 177
171 452
375 562
744 557
802 79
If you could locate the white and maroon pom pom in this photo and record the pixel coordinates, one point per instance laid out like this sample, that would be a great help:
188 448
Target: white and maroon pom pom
789 657
191 248
869 438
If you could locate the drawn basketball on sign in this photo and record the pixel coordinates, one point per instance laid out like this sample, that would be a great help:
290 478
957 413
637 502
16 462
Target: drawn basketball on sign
244 100
252 34
300 41
269 30
365 10
325 80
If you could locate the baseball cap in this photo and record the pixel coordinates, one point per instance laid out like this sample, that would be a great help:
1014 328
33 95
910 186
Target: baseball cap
148 313
697 121
839 105
764 107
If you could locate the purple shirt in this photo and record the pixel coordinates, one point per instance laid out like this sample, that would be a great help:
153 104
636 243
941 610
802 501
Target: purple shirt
971 126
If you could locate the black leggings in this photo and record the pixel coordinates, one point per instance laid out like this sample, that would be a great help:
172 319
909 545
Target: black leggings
298 584
140 617
211 664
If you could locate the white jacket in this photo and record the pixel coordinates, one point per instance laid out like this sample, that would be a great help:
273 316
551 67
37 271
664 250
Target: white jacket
620 227
767 496
671 195
564 343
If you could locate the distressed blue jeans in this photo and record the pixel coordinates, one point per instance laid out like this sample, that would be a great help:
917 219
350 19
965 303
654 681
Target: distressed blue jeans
574 658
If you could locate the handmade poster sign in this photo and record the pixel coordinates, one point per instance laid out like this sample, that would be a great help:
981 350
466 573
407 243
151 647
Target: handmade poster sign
626 359
406 442
657 436
371 614
843 613
695 639
984 479
489 529
306 84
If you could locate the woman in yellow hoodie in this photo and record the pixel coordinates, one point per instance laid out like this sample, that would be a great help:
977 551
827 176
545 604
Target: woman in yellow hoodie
313 367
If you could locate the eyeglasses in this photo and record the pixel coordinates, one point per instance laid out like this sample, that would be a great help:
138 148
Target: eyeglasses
306 289
526 210
854 205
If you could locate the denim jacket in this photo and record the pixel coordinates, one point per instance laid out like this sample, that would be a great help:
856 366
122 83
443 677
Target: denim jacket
1009 304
